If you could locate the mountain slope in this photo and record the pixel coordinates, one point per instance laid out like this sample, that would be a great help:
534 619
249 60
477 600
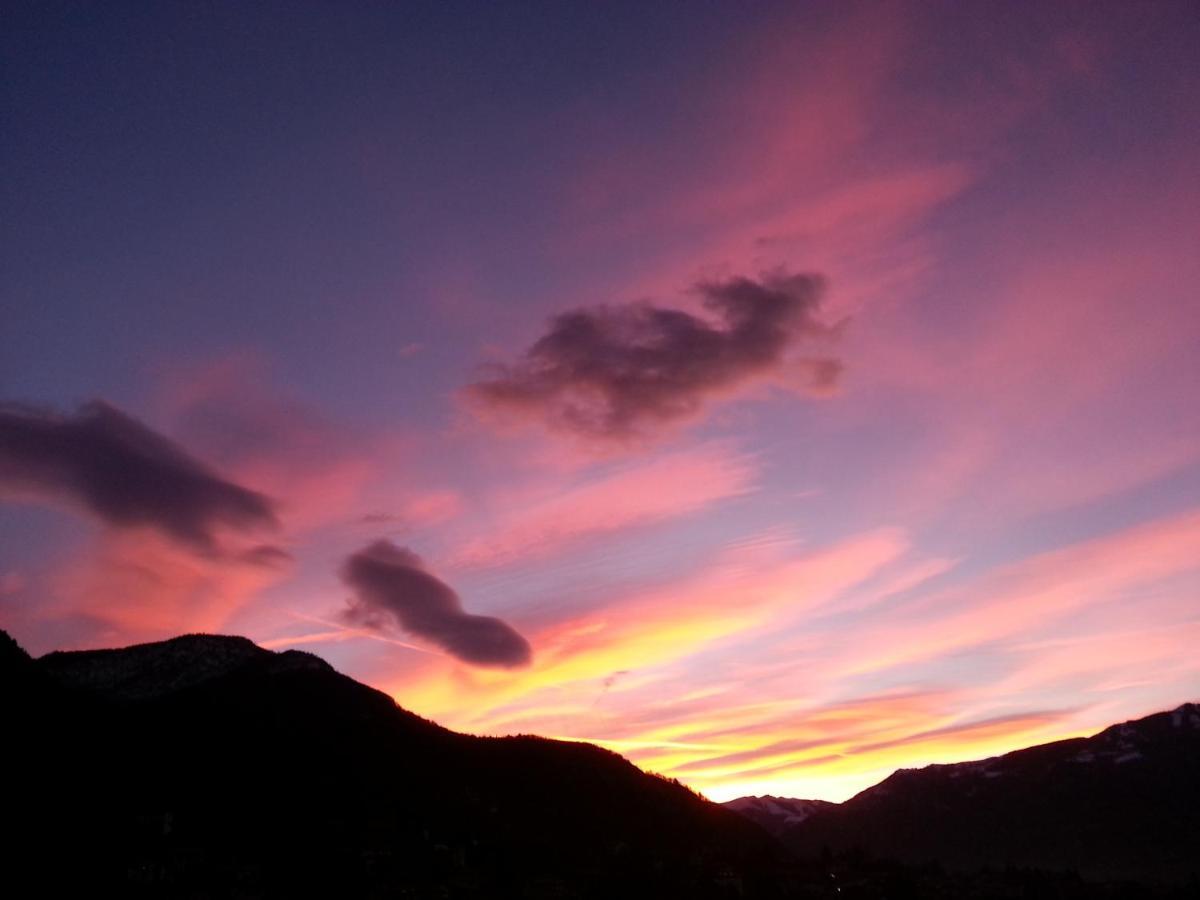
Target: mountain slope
189 766
1124 803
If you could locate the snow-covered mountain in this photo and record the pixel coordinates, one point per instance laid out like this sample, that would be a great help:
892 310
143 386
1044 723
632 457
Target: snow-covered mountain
776 814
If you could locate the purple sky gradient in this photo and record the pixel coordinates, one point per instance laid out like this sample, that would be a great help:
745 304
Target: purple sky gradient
288 237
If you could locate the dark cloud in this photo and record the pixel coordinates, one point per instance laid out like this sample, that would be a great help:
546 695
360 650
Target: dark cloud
621 372
393 587
124 473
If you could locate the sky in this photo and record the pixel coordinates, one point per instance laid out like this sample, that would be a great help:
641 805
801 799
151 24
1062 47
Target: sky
777 394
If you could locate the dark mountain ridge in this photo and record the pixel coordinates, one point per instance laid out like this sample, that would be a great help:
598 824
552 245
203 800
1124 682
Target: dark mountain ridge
1123 804
145 671
208 766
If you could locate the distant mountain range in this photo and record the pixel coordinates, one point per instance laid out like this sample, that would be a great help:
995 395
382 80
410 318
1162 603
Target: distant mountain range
1123 804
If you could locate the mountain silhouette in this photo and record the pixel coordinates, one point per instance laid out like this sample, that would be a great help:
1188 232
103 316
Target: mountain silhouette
1121 805
207 766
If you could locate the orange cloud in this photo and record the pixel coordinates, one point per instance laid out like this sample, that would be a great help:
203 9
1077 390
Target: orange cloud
722 681
739 596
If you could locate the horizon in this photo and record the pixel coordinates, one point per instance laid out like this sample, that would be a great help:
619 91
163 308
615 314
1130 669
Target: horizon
778 399
918 766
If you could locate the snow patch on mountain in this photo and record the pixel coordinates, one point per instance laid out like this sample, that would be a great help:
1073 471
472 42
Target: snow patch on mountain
147 671
776 813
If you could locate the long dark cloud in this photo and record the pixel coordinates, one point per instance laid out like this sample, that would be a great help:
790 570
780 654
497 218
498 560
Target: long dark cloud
392 587
124 473
621 372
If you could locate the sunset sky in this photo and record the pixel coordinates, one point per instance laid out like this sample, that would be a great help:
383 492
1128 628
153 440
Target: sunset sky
775 393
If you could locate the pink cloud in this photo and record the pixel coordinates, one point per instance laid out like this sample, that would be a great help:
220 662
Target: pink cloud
229 410
1025 598
1108 662
136 586
325 473
1068 342
544 520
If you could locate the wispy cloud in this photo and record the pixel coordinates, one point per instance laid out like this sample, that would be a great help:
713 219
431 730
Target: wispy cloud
140 585
736 597
819 671
536 523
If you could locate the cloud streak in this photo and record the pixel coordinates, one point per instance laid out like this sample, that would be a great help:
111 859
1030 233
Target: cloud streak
124 473
393 587
671 486
616 373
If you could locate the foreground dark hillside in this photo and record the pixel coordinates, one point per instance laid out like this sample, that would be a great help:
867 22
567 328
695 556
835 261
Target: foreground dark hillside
1123 805
206 766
